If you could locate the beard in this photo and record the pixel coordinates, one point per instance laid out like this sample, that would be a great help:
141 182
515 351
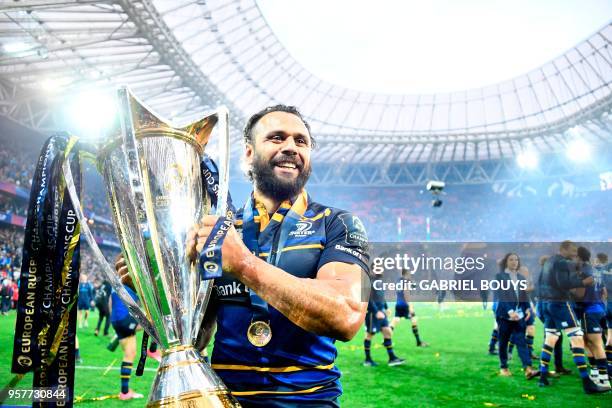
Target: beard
270 185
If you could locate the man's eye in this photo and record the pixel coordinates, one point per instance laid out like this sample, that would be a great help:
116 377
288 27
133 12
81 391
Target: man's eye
276 137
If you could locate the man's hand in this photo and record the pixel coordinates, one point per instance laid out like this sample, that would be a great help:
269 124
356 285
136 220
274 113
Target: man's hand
122 271
380 315
234 252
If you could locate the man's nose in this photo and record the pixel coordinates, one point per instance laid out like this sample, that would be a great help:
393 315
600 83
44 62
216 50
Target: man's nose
289 147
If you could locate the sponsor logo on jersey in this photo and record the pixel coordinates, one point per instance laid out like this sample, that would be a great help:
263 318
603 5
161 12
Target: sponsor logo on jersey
231 289
302 229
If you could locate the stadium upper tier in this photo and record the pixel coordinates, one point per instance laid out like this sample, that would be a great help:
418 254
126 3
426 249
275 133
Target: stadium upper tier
185 56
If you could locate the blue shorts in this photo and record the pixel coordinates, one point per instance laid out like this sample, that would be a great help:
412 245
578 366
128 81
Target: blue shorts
402 310
591 322
125 327
374 325
558 315
84 303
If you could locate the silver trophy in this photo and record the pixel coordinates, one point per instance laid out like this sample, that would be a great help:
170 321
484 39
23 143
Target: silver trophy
153 180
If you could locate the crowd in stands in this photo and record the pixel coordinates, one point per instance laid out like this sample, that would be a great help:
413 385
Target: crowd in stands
474 213
10 206
11 243
17 166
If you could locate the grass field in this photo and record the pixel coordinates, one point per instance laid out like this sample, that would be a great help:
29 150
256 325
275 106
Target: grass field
455 371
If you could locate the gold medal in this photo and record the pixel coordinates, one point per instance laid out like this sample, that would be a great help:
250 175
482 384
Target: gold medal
259 333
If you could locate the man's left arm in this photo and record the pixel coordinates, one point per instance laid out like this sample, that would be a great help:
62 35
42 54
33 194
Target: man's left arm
330 305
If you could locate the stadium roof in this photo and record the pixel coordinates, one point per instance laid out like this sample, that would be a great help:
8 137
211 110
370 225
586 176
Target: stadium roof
186 56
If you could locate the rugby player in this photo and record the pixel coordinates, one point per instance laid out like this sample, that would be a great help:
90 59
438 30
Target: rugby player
405 310
292 267
559 275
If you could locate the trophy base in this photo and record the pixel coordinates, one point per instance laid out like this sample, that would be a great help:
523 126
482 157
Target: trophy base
196 399
184 380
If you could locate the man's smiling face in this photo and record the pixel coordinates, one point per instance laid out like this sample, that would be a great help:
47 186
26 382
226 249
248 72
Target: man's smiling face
279 156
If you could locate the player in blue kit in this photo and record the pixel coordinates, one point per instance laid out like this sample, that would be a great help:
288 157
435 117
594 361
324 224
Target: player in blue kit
403 309
592 312
293 271
605 269
86 298
125 326
376 322
560 274
292 276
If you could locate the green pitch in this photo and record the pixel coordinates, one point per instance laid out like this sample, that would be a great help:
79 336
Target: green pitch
454 371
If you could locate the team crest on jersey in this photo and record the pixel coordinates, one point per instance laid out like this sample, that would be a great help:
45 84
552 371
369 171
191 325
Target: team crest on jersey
355 231
302 229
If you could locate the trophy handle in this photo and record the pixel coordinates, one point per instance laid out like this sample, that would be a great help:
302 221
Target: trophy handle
107 269
205 287
224 159
202 299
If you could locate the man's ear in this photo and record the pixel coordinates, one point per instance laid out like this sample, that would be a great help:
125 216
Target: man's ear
248 154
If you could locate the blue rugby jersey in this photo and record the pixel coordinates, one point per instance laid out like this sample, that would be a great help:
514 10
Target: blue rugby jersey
119 310
400 294
593 301
296 367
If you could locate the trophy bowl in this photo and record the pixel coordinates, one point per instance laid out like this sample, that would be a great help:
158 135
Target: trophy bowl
153 180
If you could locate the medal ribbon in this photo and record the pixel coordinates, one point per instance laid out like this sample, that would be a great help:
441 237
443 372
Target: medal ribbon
290 216
210 259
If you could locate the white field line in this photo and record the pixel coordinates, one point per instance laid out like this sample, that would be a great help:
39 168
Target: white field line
86 367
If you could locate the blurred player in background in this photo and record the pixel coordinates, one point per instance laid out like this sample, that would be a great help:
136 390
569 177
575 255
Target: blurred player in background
559 275
592 312
405 310
125 327
376 321
86 300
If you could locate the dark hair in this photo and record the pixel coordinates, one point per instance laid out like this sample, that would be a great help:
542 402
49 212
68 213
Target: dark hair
603 258
584 254
248 129
504 262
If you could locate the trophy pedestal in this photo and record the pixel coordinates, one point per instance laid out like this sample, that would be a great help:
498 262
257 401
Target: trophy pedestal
184 380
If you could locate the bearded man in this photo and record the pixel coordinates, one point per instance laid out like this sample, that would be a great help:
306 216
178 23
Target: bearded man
292 276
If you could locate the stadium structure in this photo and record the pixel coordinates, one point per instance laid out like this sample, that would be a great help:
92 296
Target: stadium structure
524 161
188 56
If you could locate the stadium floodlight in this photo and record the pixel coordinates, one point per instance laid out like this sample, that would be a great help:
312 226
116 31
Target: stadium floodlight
17 46
52 85
93 111
527 159
578 150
